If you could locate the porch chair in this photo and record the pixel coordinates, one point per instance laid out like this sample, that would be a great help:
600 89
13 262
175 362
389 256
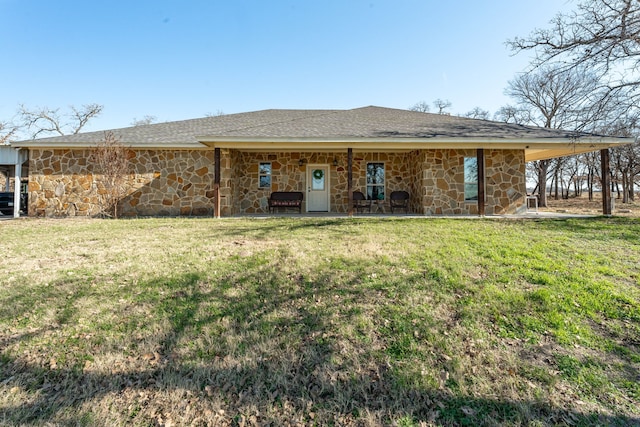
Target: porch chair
399 200
360 201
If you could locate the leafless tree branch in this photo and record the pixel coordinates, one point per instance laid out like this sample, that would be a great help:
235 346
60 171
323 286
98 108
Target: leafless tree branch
7 131
478 113
45 121
111 160
421 106
146 120
603 35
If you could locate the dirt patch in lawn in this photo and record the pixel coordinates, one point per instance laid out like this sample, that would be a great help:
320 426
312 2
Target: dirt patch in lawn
583 206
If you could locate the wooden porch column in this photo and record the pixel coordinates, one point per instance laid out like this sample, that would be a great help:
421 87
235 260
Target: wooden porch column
481 206
606 182
350 179
216 183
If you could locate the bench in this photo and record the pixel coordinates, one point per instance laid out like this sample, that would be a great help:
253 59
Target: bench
286 199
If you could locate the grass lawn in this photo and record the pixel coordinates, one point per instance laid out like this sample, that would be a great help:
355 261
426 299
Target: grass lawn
299 321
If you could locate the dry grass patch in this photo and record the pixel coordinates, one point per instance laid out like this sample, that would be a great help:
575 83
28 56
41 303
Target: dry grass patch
314 321
583 206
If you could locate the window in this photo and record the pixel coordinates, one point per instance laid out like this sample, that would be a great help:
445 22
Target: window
264 175
470 179
375 181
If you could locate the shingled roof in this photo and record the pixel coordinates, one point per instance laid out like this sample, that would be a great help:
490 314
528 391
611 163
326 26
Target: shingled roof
400 127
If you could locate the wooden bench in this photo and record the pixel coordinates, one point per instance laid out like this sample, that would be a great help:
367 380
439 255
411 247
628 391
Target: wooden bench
286 199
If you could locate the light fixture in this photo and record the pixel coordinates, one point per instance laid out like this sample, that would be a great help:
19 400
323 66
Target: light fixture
301 162
335 161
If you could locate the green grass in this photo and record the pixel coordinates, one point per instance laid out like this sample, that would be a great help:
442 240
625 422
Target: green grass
406 322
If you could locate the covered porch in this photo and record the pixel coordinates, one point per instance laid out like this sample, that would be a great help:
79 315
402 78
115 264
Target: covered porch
12 172
439 181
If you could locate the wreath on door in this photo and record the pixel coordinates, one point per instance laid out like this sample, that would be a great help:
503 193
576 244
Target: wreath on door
318 174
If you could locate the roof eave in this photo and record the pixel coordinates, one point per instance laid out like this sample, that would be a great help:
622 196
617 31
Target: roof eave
539 146
58 145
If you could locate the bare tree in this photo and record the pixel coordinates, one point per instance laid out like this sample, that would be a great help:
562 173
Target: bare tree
555 100
442 105
146 120
421 106
513 114
626 159
478 113
218 113
7 131
591 162
603 35
50 121
111 160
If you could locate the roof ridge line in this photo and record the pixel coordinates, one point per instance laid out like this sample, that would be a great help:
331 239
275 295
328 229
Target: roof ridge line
326 113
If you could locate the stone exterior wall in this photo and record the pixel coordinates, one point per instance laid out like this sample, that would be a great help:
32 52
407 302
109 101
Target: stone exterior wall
416 163
161 182
3 181
443 182
227 182
506 182
398 175
288 175
180 182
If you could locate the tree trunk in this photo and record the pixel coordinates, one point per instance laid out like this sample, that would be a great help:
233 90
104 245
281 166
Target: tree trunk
625 186
543 170
590 180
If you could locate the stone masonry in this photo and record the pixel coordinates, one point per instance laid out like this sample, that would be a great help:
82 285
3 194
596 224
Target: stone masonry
288 175
433 178
442 183
62 182
162 182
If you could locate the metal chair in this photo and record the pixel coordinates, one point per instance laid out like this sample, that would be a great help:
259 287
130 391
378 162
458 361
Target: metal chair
360 201
399 200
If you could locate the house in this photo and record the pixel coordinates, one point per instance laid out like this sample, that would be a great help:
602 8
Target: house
229 165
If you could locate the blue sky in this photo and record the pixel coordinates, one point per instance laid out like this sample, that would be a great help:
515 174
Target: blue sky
184 59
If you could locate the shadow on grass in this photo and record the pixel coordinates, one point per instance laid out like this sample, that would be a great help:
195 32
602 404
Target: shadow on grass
277 226
257 342
597 228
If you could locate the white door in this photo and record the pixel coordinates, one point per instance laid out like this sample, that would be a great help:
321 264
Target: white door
318 188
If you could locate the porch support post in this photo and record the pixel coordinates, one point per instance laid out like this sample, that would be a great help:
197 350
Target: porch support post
606 182
16 188
481 196
216 183
350 179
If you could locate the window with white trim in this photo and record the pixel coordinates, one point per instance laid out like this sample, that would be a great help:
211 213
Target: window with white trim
264 175
375 181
